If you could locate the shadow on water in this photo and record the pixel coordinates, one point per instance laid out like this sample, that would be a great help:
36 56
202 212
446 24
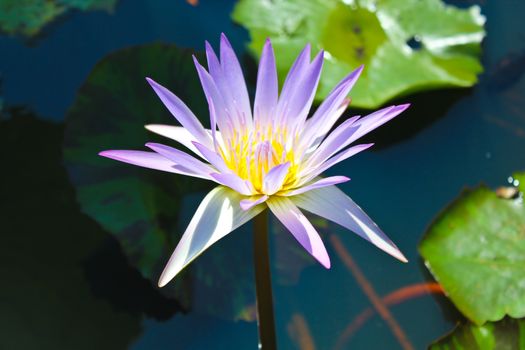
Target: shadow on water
54 256
112 278
425 108
449 311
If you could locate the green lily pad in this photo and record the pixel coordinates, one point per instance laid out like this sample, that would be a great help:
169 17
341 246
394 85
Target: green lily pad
28 17
476 250
508 334
148 210
406 45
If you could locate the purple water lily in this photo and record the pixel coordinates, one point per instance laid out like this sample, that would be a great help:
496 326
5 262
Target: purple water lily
271 156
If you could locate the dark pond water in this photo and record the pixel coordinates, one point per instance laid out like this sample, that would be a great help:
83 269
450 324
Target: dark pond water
66 283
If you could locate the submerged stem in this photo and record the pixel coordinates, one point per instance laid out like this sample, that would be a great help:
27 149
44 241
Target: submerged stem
263 282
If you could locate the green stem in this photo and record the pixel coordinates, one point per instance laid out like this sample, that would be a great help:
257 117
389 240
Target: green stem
263 282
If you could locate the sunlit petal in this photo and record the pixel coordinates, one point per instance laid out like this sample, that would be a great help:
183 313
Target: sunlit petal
248 203
176 133
299 226
328 181
326 115
181 112
182 158
218 214
267 87
332 204
275 177
234 182
233 73
339 157
151 160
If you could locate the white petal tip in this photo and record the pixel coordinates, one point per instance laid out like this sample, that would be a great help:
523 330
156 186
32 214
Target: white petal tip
162 283
155 128
326 264
397 254
163 280
402 258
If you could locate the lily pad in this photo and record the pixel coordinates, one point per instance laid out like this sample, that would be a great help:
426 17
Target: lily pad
476 250
28 17
406 45
508 334
148 210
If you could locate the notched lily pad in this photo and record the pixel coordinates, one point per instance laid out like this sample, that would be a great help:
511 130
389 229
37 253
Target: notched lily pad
406 45
476 250
148 210
28 17
507 334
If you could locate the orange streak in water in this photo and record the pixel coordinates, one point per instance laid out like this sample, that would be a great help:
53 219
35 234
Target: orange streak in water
193 2
299 331
368 289
396 297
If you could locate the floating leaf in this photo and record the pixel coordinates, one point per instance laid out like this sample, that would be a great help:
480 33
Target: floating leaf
406 45
507 334
476 250
28 17
148 210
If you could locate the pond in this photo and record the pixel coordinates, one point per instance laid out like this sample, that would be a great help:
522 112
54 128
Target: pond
69 283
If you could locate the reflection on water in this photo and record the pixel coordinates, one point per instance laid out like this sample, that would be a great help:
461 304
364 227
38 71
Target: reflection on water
71 286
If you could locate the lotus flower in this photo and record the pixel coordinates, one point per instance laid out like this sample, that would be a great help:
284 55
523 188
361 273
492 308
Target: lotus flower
269 156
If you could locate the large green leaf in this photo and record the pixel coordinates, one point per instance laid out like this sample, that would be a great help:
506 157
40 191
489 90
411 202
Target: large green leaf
476 250
406 45
147 210
508 334
28 17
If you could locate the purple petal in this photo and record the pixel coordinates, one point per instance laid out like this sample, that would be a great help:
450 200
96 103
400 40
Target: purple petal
214 66
218 214
150 160
247 204
223 88
182 158
233 74
267 90
181 112
376 119
234 182
332 204
328 181
334 142
273 181
325 117
292 218
216 101
347 153
300 103
294 77
212 157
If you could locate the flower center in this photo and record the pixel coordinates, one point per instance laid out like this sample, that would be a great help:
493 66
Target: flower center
251 155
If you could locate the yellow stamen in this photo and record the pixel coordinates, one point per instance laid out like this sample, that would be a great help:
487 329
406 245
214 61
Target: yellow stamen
251 154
